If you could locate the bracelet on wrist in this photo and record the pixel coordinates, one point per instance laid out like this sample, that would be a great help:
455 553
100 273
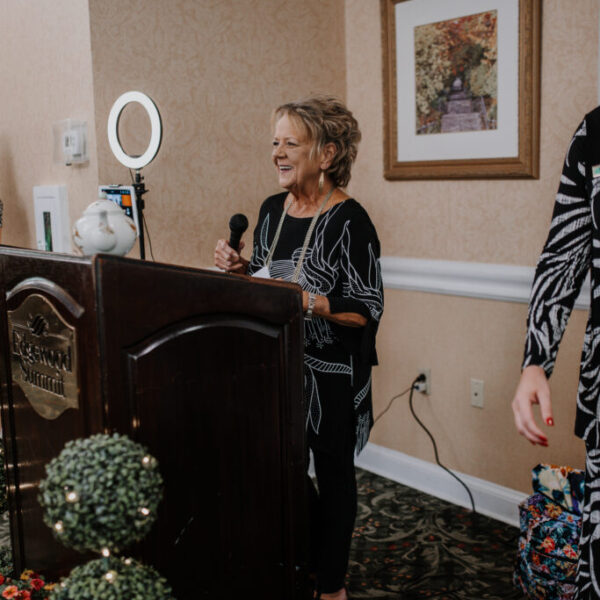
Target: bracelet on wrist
311 304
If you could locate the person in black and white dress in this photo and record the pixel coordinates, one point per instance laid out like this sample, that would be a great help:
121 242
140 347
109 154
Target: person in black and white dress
570 252
314 234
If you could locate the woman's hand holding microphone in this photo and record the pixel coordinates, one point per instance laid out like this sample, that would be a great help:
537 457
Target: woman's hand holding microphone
227 253
227 259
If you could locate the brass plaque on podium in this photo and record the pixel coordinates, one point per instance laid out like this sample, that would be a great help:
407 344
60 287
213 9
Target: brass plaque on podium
43 350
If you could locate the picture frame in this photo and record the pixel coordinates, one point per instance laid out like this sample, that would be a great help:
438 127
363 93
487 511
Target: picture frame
486 54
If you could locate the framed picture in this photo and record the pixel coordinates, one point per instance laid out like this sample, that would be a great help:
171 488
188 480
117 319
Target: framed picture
461 88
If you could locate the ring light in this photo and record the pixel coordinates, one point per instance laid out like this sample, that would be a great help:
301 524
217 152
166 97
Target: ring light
134 162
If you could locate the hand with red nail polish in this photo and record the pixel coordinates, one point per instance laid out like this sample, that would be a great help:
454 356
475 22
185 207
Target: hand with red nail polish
533 389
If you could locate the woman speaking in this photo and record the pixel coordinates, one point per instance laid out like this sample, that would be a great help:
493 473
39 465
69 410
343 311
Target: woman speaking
315 235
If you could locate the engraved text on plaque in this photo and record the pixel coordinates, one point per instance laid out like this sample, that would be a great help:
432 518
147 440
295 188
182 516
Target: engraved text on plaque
43 350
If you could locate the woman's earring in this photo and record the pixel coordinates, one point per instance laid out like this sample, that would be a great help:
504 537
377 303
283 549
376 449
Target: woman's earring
321 181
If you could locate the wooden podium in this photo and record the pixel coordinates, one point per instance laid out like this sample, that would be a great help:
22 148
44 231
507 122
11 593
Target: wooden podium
205 369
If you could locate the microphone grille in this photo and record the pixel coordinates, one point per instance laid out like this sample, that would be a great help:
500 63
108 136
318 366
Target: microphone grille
238 222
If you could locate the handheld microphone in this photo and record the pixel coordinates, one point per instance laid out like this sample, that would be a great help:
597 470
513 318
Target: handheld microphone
237 225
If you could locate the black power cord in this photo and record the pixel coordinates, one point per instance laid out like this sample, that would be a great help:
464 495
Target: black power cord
148 237
419 379
390 404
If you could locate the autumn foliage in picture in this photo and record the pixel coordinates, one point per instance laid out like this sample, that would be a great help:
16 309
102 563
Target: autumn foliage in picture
456 59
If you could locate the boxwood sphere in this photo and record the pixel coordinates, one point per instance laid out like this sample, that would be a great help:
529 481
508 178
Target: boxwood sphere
101 492
112 579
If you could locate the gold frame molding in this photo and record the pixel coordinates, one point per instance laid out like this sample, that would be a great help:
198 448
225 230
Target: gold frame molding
525 165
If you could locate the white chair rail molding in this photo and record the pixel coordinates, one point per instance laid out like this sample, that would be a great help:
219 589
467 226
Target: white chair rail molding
506 283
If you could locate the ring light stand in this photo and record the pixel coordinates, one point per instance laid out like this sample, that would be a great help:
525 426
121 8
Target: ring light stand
136 162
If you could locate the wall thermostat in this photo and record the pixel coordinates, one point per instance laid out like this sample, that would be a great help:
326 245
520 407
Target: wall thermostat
70 142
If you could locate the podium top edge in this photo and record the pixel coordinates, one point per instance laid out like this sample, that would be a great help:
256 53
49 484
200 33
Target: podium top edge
42 254
97 260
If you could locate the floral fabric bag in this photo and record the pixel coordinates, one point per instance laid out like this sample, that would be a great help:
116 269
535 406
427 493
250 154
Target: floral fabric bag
550 523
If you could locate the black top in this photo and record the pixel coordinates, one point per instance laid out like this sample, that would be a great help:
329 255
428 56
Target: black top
341 263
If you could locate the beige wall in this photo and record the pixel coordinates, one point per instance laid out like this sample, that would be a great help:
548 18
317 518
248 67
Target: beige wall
46 75
485 221
216 70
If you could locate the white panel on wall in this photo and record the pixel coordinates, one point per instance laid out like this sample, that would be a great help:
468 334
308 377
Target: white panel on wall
51 207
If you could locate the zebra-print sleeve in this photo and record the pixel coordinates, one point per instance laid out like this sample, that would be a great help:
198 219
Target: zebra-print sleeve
564 261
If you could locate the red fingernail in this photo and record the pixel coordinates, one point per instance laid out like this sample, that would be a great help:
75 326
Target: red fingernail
550 421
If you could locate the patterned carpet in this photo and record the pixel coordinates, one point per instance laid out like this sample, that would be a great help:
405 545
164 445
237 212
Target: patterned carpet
409 545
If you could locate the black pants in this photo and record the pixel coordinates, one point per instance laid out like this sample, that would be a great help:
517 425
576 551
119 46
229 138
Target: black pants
332 515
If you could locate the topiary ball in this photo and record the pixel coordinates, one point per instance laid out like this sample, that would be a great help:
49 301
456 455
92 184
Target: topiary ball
101 492
6 562
113 579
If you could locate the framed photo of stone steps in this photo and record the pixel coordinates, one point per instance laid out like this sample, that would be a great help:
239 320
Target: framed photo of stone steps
461 90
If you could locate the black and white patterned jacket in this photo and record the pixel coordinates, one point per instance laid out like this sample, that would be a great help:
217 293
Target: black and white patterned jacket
571 251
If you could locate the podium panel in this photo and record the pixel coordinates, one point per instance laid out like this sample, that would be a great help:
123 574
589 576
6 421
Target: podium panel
237 416
203 368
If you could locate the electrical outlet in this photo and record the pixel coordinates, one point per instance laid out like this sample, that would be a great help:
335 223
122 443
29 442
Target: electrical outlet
425 386
477 393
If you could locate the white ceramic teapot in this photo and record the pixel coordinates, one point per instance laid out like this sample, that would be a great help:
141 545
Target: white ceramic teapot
104 228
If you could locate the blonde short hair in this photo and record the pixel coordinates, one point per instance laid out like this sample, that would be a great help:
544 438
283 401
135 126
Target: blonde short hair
327 120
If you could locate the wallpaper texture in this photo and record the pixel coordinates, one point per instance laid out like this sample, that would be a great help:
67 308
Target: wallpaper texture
216 70
500 221
496 221
47 77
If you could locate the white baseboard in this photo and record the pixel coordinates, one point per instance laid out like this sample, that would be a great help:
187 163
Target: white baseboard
492 500
507 283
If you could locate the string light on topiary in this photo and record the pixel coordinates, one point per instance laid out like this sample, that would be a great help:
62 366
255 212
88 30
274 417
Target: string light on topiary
110 576
105 552
72 497
145 511
147 461
58 526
